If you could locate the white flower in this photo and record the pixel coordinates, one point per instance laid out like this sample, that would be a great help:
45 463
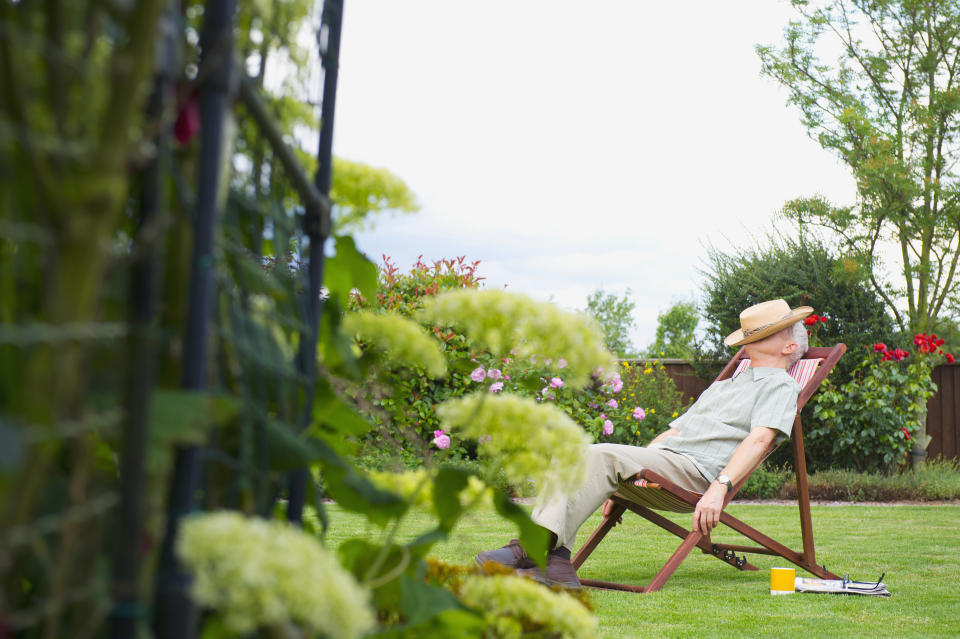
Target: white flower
505 322
514 605
530 440
257 573
404 340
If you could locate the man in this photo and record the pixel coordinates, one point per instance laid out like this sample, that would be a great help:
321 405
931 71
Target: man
706 450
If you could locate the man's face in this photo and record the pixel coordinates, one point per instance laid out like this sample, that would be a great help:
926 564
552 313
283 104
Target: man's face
776 345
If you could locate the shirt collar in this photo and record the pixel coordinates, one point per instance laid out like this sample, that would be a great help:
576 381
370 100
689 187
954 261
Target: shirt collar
760 372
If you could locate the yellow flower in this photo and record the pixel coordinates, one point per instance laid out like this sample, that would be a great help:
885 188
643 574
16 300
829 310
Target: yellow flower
647 371
661 353
638 432
653 410
675 413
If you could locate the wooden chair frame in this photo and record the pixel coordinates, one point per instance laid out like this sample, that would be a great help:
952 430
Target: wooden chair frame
668 496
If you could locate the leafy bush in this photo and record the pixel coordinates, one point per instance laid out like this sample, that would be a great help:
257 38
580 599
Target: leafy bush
804 273
766 482
400 401
867 423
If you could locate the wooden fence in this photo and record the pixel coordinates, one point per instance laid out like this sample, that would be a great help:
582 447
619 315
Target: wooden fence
943 409
943 413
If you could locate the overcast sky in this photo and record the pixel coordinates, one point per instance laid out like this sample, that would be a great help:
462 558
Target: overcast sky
572 146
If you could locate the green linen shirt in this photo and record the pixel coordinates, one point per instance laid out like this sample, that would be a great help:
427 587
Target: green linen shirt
727 411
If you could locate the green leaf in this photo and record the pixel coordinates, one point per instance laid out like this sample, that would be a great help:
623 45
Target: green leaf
422 601
446 494
349 269
534 538
183 417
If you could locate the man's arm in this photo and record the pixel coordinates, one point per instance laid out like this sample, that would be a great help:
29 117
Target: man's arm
670 432
750 451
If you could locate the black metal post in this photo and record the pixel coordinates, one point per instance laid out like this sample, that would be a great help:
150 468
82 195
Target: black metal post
128 611
316 230
174 613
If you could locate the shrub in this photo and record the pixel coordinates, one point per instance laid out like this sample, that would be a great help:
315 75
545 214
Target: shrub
868 422
629 406
804 273
936 480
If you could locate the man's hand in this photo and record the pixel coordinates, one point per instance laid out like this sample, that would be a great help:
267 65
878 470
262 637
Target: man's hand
706 515
606 509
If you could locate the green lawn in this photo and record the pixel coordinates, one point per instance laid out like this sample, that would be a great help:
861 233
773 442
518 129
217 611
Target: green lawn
917 546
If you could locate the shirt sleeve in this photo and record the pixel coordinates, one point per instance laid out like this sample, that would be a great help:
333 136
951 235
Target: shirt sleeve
777 404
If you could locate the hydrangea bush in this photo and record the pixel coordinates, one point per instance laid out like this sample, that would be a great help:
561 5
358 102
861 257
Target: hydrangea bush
266 574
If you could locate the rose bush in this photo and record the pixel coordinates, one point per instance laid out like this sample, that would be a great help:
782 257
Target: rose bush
870 422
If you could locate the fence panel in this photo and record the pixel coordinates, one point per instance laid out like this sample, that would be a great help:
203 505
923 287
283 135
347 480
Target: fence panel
943 413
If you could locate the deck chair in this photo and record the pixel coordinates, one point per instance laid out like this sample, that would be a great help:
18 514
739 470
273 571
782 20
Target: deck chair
656 493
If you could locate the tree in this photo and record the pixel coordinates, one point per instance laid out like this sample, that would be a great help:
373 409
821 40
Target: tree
889 107
803 272
675 332
615 316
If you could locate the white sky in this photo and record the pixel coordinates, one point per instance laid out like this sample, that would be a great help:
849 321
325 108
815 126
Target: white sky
576 145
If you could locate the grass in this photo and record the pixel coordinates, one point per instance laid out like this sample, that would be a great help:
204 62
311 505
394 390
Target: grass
917 546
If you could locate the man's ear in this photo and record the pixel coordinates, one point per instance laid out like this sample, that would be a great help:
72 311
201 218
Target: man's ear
789 347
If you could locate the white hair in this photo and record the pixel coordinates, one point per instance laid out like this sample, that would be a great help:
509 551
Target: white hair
798 334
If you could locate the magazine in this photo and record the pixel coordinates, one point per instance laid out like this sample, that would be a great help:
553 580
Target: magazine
845 586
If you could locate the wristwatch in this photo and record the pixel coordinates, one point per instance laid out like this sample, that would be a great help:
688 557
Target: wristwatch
723 479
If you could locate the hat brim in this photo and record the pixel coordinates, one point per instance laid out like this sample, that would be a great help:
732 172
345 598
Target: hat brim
736 338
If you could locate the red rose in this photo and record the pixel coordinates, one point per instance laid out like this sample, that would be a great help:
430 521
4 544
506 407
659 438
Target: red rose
879 347
810 321
906 433
949 357
823 319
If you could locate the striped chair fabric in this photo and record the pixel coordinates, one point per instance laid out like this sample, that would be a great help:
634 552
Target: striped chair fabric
649 494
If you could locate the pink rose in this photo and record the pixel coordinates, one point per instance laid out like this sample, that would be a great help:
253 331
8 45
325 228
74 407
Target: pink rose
617 384
603 416
638 413
496 387
556 382
494 373
441 440
612 403
561 363
545 391
608 427
548 361
478 374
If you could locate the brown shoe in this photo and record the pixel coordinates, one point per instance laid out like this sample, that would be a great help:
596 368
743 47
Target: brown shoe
560 572
512 556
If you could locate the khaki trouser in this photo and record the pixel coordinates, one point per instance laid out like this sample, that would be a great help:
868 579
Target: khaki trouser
607 465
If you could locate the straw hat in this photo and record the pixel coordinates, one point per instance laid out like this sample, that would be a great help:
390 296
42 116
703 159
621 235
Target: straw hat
764 319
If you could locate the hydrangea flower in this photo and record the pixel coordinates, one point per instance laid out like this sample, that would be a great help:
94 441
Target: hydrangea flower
403 339
496 387
607 427
441 440
258 573
502 321
478 374
416 487
638 413
531 440
514 606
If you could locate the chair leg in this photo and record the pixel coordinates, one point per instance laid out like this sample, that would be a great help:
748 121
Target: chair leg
689 543
594 540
